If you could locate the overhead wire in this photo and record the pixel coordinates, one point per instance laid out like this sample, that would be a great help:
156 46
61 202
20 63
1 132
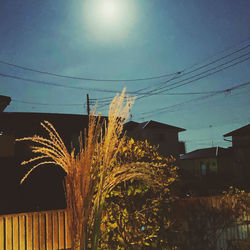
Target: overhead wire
212 73
204 60
159 91
183 72
84 78
45 104
219 52
105 80
111 91
115 91
164 109
201 98
156 91
165 88
162 91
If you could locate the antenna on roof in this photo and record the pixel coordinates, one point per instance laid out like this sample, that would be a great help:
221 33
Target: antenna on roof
210 126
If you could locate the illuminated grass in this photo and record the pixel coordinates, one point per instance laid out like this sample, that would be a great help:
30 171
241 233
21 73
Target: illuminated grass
94 171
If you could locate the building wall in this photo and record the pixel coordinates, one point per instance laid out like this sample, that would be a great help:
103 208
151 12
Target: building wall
166 139
7 146
43 189
194 165
241 161
226 165
241 141
241 149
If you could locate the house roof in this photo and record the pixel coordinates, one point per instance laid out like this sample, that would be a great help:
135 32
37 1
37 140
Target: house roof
131 125
151 125
27 123
25 115
240 131
206 153
4 102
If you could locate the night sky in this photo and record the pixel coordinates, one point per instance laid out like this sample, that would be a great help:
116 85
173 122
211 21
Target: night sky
196 53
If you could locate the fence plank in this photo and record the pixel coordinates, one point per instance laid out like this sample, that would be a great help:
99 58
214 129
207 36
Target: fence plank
15 233
29 231
36 237
1 232
42 231
22 231
55 230
61 217
8 226
67 232
49 230
49 234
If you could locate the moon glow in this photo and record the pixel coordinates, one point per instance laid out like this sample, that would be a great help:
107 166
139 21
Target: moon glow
108 19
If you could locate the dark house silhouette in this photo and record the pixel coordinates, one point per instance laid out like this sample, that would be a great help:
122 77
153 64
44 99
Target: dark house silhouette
207 161
43 189
156 133
206 171
4 102
241 155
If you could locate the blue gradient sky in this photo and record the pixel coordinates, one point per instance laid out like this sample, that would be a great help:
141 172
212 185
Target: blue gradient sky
163 37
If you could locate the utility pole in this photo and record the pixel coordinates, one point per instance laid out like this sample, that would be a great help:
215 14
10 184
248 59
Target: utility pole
88 109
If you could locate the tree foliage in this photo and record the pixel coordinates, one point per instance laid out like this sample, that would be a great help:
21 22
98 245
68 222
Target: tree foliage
206 219
136 215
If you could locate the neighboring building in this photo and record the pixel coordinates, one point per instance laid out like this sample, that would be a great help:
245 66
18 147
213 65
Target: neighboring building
207 161
44 188
241 154
4 102
206 171
156 133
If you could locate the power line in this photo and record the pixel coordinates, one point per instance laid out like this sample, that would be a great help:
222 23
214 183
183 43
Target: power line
164 109
177 75
115 91
55 84
182 73
152 92
103 90
212 73
219 52
172 84
107 80
162 90
85 78
207 93
44 104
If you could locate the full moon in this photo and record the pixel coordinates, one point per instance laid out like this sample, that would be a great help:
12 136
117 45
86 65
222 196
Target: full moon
108 20
109 9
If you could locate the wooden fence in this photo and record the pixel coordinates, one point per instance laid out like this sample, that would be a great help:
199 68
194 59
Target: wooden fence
35 231
232 235
48 230
238 230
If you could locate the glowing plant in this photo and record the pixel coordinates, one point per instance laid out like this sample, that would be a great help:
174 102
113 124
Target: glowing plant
94 171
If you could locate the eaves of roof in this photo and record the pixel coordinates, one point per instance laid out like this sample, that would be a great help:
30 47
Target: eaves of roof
240 131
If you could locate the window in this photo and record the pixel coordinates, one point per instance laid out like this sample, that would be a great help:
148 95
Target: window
203 169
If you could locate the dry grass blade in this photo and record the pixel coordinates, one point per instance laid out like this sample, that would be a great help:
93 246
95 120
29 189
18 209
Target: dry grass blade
94 171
